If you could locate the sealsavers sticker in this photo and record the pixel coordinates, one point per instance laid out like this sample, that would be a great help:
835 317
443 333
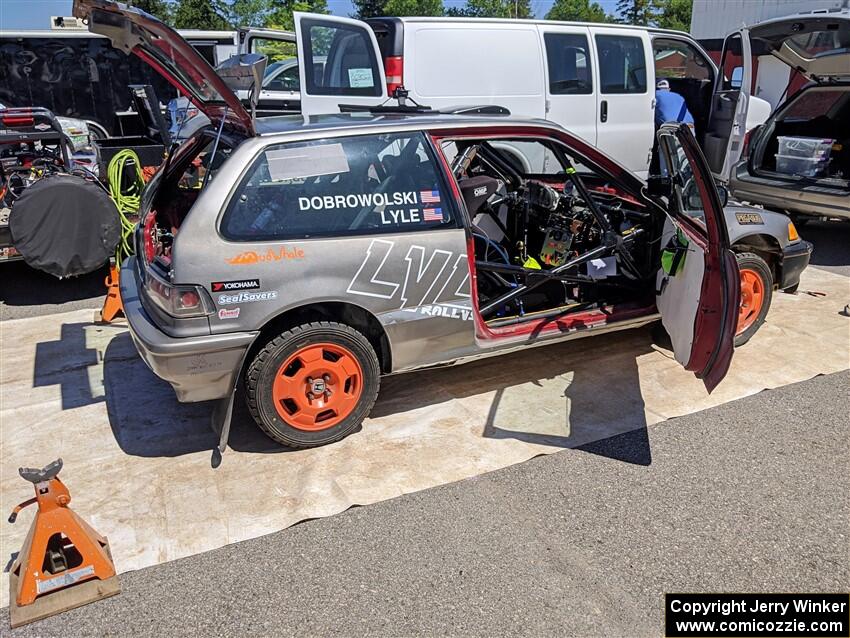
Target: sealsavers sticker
246 297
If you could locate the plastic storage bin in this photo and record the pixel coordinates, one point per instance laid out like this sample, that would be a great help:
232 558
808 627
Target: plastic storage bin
802 166
807 147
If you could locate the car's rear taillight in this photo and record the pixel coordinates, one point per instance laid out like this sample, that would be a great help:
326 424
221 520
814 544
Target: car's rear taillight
748 136
18 120
177 301
394 69
147 237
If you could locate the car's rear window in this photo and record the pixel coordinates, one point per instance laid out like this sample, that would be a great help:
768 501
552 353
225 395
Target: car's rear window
343 186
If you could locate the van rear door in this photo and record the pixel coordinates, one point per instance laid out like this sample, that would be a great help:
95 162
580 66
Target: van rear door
338 63
727 123
280 91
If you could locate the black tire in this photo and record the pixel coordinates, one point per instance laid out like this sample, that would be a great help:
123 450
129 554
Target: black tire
267 362
755 264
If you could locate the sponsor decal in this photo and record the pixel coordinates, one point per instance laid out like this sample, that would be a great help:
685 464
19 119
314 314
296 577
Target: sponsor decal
749 218
253 257
246 297
450 312
478 192
229 313
241 284
434 282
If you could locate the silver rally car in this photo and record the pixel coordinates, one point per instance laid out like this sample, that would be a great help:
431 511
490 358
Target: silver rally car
307 256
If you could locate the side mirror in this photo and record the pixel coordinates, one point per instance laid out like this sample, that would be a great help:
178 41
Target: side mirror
723 194
659 185
737 78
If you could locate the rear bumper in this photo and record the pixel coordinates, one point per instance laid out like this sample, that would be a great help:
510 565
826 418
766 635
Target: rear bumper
795 258
198 368
802 199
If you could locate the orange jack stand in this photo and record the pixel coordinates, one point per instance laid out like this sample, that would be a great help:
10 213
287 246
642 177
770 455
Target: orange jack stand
112 305
64 563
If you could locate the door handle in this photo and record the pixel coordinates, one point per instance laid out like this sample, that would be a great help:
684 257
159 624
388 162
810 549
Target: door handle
603 111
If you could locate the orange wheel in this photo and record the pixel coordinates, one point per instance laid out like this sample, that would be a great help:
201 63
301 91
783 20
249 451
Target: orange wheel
756 295
313 384
752 299
317 387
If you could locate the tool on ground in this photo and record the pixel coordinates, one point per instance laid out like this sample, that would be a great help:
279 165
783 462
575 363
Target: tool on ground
125 189
64 563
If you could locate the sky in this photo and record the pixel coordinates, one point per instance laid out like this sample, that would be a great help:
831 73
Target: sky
35 14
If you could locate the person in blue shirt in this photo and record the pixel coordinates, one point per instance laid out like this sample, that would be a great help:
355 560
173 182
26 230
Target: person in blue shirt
670 106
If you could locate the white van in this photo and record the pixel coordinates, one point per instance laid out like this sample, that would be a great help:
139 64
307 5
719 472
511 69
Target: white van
593 79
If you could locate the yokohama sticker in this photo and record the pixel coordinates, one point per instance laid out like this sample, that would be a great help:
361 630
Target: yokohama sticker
242 284
246 297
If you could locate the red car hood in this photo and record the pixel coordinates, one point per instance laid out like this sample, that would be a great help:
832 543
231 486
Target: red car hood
133 30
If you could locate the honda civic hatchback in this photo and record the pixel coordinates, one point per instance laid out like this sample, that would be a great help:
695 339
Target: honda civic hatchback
306 258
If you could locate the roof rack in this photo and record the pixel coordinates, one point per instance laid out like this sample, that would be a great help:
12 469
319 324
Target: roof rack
403 108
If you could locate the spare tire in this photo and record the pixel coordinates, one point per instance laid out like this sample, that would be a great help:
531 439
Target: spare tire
65 225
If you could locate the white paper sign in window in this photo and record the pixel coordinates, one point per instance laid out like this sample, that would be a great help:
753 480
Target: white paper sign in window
306 161
359 78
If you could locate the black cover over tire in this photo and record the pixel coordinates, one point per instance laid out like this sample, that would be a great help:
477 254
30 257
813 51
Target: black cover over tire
267 362
754 263
65 225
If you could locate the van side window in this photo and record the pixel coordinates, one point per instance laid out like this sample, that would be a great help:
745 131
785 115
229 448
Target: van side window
678 59
622 64
343 186
568 60
339 59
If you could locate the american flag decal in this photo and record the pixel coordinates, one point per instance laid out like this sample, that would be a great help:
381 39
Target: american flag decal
433 214
429 197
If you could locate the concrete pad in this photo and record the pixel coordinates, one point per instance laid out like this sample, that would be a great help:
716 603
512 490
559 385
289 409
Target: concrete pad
137 462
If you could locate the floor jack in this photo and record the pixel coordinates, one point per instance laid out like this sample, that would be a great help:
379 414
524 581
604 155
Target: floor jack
64 563
112 305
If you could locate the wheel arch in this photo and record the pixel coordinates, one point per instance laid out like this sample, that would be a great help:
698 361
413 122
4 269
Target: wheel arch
765 246
339 311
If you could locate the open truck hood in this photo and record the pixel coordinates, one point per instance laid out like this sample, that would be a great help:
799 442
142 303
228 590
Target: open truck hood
817 44
134 31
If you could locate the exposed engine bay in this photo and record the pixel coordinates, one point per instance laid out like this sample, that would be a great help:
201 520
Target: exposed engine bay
553 242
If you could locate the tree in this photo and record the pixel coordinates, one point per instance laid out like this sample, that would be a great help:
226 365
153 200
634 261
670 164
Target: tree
250 13
675 14
641 12
369 9
200 14
414 8
577 11
493 9
281 16
157 8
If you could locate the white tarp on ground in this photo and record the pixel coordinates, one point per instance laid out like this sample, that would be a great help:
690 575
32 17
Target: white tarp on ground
137 462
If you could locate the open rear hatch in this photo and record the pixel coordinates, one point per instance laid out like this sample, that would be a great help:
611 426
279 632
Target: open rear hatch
134 31
807 139
816 44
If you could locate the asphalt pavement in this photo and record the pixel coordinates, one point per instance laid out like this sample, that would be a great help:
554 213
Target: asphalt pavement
753 495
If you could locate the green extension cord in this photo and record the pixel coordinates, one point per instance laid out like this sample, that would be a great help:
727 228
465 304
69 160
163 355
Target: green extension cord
128 200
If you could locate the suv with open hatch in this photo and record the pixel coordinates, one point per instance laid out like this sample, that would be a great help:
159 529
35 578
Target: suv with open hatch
306 257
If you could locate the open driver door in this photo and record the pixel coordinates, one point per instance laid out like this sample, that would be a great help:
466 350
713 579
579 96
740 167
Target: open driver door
698 288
